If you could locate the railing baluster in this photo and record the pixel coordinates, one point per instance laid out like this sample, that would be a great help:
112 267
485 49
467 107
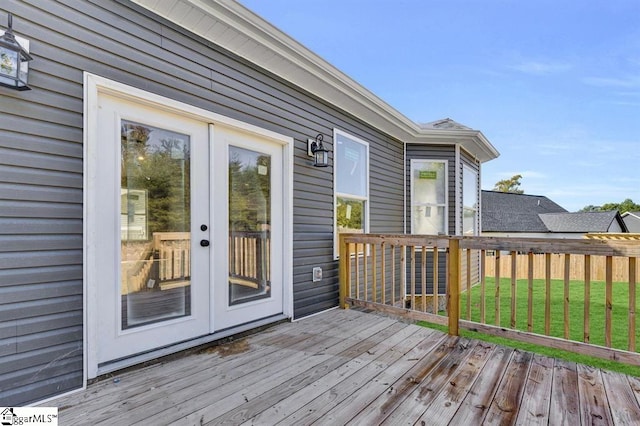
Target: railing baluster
436 285
547 294
393 275
513 288
530 293
383 273
497 292
587 297
357 267
403 273
608 300
483 285
567 268
468 284
365 270
413 277
423 270
632 304
374 272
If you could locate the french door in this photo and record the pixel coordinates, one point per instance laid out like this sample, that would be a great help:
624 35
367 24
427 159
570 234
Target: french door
186 224
248 273
152 218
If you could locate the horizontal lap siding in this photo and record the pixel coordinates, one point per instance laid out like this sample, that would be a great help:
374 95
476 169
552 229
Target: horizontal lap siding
41 169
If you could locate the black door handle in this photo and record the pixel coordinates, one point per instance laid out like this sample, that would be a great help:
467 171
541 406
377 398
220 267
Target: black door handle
204 243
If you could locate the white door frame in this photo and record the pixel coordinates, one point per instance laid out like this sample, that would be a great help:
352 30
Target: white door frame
95 85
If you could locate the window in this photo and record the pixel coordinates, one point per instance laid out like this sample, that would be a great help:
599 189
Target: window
351 174
429 197
469 201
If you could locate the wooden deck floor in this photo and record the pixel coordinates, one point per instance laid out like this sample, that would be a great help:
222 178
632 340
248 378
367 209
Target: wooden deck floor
350 367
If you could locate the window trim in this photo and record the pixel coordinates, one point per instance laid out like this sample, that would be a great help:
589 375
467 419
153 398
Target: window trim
414 163
336 194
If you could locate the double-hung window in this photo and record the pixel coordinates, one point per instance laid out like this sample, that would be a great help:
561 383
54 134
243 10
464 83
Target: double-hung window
469 201
351 195
429 211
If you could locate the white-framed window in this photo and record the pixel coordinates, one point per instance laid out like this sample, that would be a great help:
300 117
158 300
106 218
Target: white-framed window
469 201
351 185
429 195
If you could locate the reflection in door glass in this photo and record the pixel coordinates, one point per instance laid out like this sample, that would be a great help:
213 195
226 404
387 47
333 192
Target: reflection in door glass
155 223
249 225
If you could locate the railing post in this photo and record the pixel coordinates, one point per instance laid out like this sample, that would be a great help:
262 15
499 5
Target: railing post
344 272
453 293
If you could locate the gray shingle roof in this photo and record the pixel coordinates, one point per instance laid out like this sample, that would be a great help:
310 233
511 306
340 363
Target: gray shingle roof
445 124
579 222
509 212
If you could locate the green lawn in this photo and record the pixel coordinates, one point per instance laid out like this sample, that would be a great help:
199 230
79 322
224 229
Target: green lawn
576 309
544 350
620 297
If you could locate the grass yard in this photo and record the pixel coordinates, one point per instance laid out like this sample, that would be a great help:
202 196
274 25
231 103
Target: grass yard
620 309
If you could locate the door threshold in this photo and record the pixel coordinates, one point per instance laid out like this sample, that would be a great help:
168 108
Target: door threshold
156 354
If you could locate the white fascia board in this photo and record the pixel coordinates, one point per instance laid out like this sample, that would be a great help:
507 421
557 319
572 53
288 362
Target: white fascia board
237 29
472 141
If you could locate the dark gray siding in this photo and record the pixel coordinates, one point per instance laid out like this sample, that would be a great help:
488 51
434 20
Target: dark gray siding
41 169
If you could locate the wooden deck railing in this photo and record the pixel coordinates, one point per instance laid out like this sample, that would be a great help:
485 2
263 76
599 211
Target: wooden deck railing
167 259
581 306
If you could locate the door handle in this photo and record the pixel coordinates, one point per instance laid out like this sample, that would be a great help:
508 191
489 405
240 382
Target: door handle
204 243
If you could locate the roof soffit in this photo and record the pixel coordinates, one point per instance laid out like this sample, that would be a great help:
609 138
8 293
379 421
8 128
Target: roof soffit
237 29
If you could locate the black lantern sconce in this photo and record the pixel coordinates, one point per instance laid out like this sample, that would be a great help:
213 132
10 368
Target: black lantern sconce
319 153
14 67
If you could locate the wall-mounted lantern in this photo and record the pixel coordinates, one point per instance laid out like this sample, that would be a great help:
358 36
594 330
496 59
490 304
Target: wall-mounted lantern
319 153
14 67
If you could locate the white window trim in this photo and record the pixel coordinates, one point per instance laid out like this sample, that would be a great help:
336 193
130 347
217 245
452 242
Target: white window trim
476 230
414 162
336 194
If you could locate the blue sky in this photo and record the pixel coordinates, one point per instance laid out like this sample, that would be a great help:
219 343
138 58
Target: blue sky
554 85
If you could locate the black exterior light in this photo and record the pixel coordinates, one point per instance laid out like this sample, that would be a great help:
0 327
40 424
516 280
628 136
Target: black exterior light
319 153
14 69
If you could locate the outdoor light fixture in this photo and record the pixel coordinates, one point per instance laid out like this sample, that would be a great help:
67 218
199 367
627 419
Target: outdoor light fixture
319 153
14 67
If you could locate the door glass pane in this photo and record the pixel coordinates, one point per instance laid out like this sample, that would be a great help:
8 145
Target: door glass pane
429 183
249 225
428 220
155 223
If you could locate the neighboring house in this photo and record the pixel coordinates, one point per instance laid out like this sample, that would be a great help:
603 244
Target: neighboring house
156 191
507 214
632 221
575 225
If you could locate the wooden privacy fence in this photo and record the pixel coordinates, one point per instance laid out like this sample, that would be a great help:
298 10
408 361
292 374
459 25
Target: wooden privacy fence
619 266
522 298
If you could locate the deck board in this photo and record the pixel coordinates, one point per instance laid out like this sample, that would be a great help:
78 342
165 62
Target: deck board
348 366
